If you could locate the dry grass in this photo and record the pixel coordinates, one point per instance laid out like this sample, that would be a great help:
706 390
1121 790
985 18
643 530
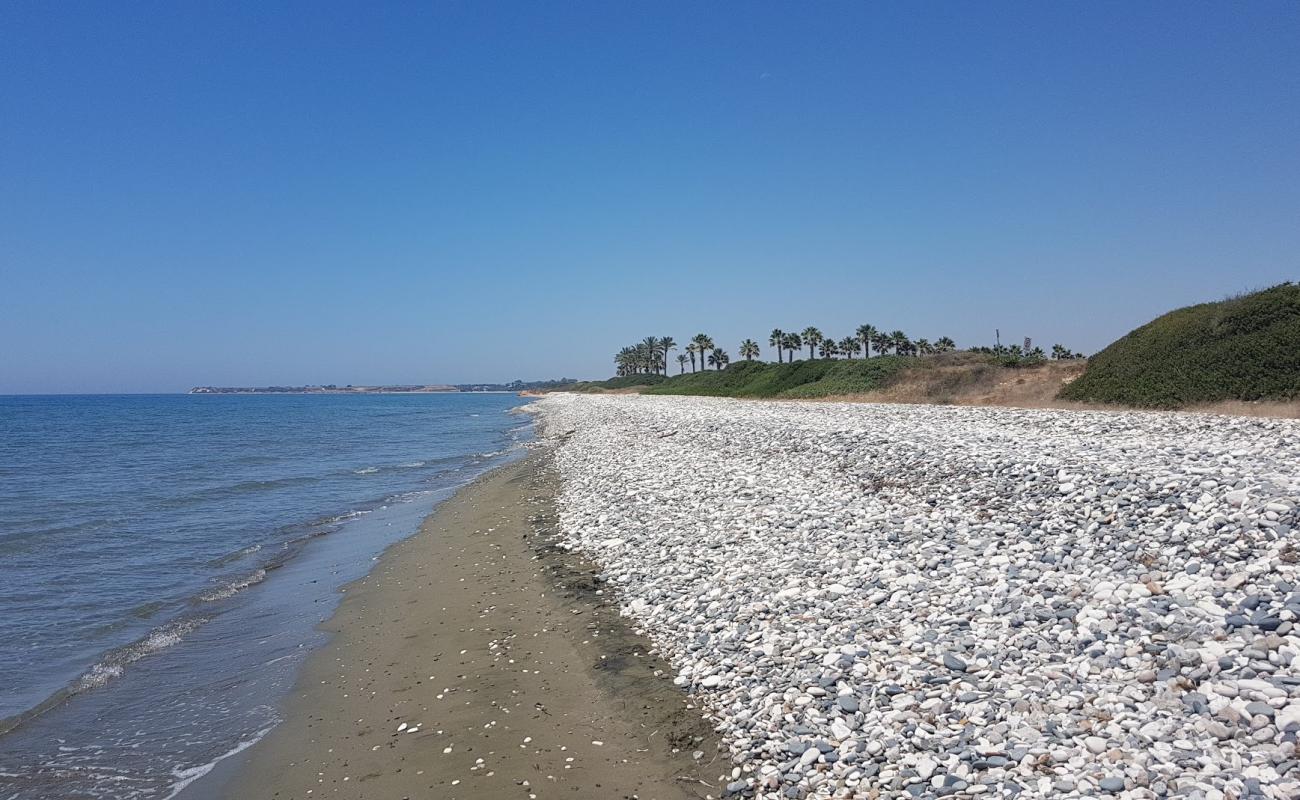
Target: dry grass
1242 408
980 384
1027 387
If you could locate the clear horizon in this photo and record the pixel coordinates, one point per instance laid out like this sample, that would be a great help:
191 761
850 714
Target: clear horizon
239 195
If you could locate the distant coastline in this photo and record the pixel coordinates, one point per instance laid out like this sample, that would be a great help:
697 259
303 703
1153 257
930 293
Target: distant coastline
322 389
429 388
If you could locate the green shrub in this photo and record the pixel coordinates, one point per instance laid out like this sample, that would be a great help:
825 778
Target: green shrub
852 377
806 379
621 382
1243 348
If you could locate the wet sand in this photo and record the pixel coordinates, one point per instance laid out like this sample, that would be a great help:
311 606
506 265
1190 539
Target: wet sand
506 667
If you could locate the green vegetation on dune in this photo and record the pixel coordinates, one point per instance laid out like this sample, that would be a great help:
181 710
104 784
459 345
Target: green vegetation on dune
831 367
621 382
940 378
812 378
1243 348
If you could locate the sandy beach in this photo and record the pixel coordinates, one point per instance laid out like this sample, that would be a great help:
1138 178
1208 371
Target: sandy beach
478 661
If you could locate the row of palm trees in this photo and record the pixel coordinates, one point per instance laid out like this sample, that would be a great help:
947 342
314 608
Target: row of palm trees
1014 353
864 340
646 357
650 355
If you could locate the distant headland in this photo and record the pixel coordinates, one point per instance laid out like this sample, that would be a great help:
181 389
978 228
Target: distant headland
428 388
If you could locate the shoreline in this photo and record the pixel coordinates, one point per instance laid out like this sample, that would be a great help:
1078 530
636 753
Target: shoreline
503 663
162 614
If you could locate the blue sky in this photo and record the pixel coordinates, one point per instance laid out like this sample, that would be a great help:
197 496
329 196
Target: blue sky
357 193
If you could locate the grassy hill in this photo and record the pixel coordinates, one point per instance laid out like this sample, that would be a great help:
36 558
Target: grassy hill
815 378
1244 348
621 382
946 378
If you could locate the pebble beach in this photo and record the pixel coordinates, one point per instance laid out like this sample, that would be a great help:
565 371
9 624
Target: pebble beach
927 601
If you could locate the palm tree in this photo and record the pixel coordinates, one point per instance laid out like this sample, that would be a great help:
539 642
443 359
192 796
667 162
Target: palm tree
882 341
623 361
793 343
828 348
775 339
850 345
703 344
902 345
719 358
666 343
681 363
811 337
691 350
749 349
866 334
651 345
924 347
645 357
945 345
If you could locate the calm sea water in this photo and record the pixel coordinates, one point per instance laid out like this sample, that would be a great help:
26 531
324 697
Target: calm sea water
164 561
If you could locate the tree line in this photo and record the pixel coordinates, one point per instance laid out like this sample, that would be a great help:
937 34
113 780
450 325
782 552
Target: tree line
651 354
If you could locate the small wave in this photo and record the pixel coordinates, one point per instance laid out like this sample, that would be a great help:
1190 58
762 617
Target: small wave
186 775
337 518
412 465
116 661
513 447
146 610
244 552
112 665
520 431
365 471
289 538
240 489
234 587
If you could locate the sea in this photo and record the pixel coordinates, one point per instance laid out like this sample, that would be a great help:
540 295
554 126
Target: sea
165 561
